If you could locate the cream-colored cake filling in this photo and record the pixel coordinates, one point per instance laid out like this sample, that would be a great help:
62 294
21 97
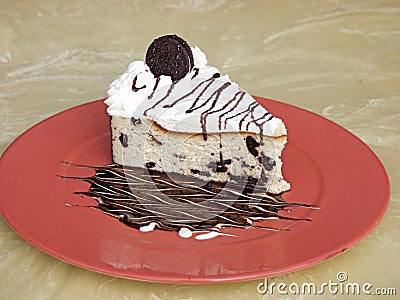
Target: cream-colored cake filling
221 158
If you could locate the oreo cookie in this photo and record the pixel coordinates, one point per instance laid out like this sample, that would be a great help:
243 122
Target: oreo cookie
170 55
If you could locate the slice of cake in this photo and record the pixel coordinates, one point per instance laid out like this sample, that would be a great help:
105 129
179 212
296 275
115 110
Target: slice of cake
193 153
174 114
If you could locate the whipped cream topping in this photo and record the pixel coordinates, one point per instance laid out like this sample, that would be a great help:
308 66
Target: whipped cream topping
201 102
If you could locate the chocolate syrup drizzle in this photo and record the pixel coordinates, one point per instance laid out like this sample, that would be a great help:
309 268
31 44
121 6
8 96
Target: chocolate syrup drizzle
196 72
201 89
162 99
155 87
132 196
134 88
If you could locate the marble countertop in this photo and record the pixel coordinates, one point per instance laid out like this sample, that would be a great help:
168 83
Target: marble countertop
337 58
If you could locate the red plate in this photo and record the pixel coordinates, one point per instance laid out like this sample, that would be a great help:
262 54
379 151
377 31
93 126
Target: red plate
326 165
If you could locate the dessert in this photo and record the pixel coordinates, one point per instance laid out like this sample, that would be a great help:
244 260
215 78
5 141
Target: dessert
175 114
192 152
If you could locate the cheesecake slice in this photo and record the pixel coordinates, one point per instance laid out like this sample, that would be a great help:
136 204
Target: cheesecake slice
188 119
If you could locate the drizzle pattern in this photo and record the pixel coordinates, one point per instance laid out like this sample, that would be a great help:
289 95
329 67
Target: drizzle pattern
132 196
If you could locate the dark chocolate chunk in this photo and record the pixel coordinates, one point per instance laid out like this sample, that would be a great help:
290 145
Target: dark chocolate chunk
136 121
252 144
150 164
170 55
123 138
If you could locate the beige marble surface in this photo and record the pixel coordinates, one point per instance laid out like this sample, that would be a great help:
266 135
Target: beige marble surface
338 58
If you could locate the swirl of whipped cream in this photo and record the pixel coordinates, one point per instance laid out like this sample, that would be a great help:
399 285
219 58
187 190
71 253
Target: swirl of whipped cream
201 102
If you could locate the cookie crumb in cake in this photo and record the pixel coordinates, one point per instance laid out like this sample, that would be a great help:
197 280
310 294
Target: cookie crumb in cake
267 162
180 156
202 173
136 121
150 164
244 164
252 144
123 138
